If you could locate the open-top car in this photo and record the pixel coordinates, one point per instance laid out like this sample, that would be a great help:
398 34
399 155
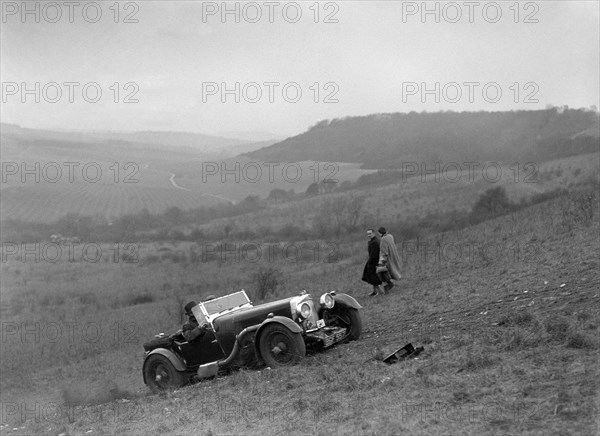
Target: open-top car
238 334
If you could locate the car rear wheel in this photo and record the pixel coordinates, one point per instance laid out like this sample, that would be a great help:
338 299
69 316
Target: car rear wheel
349 319
161 375
279 346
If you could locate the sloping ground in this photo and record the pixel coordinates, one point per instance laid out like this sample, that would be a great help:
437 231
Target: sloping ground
48 203
413 198
506 310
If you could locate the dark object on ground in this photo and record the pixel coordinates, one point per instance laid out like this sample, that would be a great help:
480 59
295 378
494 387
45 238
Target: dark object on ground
403 353
239 334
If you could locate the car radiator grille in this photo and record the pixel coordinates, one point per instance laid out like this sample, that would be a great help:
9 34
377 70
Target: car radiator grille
329 335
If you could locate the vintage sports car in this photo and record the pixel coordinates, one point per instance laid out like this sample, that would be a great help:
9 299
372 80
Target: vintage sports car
238 334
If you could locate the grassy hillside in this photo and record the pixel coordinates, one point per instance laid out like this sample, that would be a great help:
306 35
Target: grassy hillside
389 140
509 327
412 202
409 200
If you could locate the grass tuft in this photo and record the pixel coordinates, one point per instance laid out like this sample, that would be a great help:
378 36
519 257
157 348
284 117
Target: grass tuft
557 327
478 358
581 341
516 318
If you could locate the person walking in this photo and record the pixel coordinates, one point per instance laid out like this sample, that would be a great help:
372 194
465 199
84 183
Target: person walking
369 273
389 260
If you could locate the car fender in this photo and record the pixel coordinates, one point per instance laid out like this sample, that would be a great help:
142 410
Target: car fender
346 301
176 361
287 322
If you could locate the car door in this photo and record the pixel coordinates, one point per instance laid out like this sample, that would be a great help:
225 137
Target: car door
201 350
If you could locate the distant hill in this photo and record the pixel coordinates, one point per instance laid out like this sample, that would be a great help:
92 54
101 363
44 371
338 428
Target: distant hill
253 135
198 141
213 146
388 140
235 150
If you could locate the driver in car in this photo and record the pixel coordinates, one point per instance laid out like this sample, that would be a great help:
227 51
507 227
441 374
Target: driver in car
191 330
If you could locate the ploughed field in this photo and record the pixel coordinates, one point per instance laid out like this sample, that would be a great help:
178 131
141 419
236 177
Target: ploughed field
45 191
506 311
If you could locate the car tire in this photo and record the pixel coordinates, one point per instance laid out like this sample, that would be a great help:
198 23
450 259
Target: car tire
355 324
279 346
161 375
345 317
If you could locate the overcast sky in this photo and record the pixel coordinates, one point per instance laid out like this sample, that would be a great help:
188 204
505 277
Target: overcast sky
366 62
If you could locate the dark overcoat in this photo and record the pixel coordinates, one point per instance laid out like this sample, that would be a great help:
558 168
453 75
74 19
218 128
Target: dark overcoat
369 274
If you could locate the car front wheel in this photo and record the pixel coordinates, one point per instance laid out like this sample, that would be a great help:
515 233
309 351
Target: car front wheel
279 346
349 319
161 375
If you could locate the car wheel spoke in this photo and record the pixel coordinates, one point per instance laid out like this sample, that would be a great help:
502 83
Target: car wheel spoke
279 347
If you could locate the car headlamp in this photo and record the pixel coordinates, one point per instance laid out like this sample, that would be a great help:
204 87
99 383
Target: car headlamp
327 301
305 310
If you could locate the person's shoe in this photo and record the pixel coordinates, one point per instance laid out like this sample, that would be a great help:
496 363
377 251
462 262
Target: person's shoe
373 293
387 287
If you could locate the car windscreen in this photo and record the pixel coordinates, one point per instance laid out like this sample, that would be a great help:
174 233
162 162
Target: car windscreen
224 303
200 318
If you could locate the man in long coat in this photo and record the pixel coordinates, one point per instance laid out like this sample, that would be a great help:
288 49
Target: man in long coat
369 274
388 256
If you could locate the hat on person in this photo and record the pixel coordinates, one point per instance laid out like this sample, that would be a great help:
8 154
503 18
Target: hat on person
189 306
381 230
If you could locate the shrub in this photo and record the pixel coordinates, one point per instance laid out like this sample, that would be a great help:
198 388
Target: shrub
133 300
580 211
152 258
290 231
266 280
88 299
491 203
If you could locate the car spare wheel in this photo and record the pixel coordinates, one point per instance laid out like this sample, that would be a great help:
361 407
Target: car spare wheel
279 346
161 375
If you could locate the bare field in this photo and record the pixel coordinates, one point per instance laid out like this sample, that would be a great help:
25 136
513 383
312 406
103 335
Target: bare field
52 190
237 178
